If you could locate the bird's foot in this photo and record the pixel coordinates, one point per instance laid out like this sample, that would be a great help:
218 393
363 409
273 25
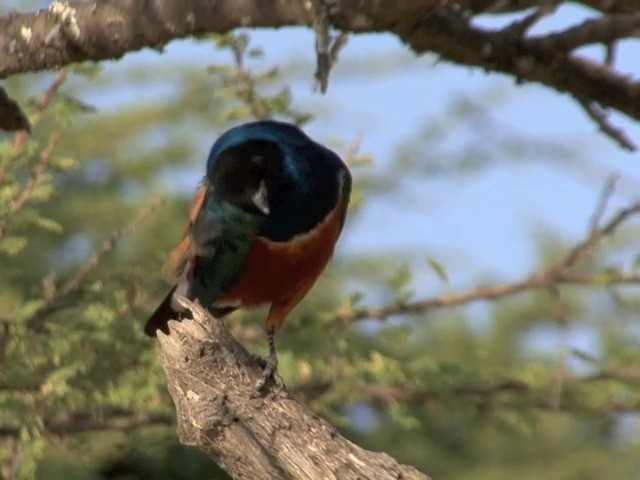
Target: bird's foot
270 366
269 373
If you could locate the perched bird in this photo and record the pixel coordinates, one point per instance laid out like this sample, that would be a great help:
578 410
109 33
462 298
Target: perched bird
262 226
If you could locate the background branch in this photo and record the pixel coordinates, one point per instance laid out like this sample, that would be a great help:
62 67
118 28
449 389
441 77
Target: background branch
78 422
557 273
37 320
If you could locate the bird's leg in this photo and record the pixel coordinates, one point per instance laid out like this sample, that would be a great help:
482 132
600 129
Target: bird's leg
271 365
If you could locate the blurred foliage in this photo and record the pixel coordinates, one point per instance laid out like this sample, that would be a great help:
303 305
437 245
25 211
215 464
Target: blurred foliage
459 393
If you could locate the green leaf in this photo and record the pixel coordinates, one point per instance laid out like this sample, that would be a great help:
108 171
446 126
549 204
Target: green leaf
49 225
439 270
400 278
12 244
64 164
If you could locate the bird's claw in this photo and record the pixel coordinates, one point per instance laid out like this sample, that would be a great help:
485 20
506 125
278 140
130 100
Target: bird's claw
269 372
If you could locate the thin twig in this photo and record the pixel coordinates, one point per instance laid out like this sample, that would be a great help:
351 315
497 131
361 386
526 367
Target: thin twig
555 273
338 44
582 249
603 201
354 147
322 30
247 86
25 194
598 115
327 49
519 28
561 354
37 172
610 54
20 137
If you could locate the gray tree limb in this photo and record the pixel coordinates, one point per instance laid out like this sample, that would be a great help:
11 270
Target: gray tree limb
80 31
255 436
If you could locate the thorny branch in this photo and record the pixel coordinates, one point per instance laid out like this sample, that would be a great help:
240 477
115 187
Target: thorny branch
37 172
25 195
21 136
96 31
37 320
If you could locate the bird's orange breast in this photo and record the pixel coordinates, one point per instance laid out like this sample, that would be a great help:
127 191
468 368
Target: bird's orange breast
281 273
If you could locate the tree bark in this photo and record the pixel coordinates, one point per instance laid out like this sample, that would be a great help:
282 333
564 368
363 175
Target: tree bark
80 31
254 435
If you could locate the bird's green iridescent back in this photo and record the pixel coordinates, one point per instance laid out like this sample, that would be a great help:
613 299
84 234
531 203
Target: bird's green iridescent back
221 236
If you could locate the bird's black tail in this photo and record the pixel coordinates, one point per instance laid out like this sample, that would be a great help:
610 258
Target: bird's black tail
159 320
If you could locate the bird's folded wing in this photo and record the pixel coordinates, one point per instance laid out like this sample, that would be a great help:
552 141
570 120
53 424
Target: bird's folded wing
183 253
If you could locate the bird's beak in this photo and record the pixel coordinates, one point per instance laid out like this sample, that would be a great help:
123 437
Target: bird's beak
260 198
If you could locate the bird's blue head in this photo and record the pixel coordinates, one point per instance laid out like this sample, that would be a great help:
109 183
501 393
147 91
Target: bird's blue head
274 169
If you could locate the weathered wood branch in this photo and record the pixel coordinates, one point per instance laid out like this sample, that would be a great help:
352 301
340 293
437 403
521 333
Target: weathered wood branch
255 436
79 31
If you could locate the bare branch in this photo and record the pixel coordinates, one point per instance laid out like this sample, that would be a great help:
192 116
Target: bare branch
212 381
603 201
327 48
584 248
105 30
519 28
512 6
598 115
598 30
555 274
